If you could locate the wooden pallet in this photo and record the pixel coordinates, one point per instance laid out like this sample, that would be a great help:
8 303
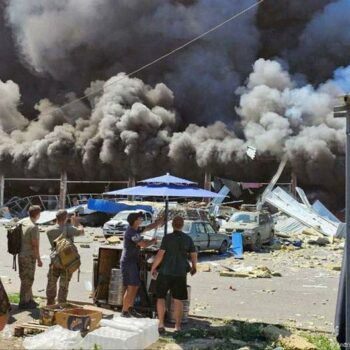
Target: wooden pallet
29 328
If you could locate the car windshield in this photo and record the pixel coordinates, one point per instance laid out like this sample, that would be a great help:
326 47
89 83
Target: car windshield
160 230
122 215
243 217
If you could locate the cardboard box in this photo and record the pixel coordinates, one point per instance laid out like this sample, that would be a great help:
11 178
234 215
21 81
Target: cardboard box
48 313
78 319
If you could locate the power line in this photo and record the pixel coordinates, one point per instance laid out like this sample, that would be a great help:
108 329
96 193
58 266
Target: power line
188 43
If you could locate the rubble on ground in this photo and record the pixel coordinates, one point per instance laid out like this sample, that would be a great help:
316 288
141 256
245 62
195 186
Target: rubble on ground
250 272
295 342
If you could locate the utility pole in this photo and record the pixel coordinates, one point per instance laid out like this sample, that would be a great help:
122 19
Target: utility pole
63 190
207 184
341 112
2 189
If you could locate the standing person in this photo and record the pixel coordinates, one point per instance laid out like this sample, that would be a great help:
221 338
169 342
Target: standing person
4 307
133 241
69 232
173 256
28 256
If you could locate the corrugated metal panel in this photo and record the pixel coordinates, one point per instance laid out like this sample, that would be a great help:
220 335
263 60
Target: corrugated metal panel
286 203
288 225
320 209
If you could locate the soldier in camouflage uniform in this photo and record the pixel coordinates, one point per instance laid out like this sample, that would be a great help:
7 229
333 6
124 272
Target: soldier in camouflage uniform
54 274
28 256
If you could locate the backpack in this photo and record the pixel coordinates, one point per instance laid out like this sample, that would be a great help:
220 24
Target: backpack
14 242
65 255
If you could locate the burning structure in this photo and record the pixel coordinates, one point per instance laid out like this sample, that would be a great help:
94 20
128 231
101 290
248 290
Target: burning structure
269 80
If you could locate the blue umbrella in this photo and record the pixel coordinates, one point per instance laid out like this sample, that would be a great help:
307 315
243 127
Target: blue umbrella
162 187
152 190
168 179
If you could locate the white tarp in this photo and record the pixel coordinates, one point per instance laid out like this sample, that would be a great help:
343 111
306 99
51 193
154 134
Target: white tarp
47 216
286 203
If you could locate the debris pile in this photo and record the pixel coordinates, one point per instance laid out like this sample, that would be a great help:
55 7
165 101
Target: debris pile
250 272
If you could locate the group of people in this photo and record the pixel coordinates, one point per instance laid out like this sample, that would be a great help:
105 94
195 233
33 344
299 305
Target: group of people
176 257
29 256
170 267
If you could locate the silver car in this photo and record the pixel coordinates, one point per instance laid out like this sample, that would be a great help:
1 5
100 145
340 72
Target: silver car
257 227
204 236
118 224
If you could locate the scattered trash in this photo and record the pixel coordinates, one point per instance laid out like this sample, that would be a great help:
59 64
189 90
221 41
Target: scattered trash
233 289
321 241
296 342
54 338
203 268
113 240
84 245
250 272
6 333
297 243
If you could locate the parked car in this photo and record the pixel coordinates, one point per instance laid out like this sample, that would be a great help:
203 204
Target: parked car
257 227
96 219
204 236
118 224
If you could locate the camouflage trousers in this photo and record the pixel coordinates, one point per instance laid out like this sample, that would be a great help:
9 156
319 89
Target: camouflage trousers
51 289
26 266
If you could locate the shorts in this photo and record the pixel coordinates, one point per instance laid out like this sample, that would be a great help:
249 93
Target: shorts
130 274
176 284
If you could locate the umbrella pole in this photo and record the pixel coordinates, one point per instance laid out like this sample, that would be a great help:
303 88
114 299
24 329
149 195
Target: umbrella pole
166 215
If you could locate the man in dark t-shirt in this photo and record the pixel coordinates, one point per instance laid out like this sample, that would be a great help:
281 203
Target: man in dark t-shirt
133 241
172 257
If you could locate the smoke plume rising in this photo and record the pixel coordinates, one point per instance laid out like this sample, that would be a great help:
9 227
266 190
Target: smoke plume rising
269 80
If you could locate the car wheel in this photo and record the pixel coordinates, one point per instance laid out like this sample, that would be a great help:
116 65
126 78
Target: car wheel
256 245
223 247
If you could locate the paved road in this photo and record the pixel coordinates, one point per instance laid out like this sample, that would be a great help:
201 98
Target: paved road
304 296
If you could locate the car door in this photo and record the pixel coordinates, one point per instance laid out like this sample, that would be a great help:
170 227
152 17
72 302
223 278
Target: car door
214 239
147 219
200 236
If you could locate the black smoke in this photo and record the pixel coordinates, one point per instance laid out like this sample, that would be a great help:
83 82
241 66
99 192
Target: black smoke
195 111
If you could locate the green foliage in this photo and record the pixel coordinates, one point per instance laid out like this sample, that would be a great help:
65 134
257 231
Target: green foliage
14 298
322 342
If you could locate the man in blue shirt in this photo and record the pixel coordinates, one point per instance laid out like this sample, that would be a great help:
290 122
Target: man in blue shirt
133 241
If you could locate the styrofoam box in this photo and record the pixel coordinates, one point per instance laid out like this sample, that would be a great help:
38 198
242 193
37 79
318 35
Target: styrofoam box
123 333
110 338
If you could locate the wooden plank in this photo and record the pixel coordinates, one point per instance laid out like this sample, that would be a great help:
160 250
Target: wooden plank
26 328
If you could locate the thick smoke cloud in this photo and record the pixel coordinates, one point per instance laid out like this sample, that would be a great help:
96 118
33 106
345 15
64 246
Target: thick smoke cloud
101 38
324 44
195 111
